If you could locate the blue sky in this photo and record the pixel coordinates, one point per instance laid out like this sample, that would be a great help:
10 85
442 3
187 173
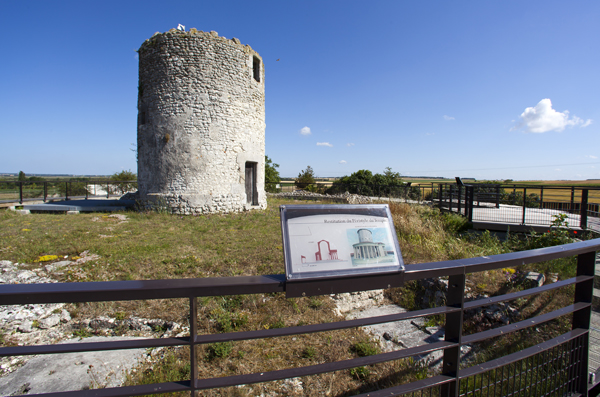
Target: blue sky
485 89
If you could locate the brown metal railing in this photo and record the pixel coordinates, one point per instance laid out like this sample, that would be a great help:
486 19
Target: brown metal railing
569 372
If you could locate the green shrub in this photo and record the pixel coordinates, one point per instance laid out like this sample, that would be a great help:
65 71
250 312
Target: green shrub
305 179
454 223
227 321
279 323
363 349
360 373
124 186
218 350
309 352
272 177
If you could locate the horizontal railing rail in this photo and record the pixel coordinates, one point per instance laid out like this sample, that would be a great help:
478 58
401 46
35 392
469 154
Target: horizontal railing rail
452 382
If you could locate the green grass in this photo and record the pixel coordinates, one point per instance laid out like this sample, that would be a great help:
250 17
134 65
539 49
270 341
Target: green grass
150 246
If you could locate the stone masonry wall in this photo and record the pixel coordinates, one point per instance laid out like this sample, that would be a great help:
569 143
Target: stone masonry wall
201 117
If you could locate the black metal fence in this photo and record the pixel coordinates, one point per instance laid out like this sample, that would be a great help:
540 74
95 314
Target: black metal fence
556 367
27 191
521 204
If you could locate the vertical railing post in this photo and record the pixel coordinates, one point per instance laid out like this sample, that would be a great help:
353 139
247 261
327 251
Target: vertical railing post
581 318
451 194
524 204
440 196
572 209
584 209
20 192
470 203
459 208
453 333
542 197
193 333
497 196
107 190
45 190
86 191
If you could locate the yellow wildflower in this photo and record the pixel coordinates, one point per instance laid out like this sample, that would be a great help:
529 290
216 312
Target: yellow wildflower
46 258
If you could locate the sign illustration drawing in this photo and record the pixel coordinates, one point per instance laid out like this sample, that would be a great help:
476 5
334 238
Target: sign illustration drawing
367 251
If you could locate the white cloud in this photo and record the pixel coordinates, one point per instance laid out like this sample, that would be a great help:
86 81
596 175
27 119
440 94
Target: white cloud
343 162
349 144
305 131
324 144
430 133
542 118
448 118
591 157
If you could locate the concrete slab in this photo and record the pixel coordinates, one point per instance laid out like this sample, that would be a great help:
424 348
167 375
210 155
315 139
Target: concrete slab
72 371
82 206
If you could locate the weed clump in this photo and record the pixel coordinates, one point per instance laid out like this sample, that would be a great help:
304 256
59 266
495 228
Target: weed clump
360 373
309 352
218 350
365 348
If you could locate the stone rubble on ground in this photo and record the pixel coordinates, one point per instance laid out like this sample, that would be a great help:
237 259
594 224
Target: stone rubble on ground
342 197
359 300
410 333
535 279
41 324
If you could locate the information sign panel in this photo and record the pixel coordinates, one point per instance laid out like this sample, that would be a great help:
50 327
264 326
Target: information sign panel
338 240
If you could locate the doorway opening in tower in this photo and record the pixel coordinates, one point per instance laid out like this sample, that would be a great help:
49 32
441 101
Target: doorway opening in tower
332 253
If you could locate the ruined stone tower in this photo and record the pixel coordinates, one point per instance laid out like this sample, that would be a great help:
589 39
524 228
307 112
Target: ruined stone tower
201 123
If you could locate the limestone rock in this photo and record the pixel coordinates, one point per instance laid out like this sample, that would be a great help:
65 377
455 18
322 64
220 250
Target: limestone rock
26 326
50 322
535 279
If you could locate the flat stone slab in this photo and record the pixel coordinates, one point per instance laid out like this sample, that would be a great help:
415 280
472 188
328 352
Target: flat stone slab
82 206
72 371
402 334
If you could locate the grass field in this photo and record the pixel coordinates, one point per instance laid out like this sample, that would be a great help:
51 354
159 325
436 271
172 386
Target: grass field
153 246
